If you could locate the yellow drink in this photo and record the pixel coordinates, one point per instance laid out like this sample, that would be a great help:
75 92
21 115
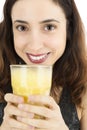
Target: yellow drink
27 80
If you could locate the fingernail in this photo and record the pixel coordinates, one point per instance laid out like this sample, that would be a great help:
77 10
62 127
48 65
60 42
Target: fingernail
20 106
18 118
31 97
20 100
31 127
31 115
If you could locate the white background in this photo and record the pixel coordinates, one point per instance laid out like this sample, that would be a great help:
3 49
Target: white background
1 9
81 5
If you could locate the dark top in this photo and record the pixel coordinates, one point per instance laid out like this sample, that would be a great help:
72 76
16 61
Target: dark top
2 106
68 111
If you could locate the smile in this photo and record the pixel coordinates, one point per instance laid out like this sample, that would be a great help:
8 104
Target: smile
39 58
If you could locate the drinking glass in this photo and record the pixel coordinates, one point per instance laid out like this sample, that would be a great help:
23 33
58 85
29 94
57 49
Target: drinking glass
31 80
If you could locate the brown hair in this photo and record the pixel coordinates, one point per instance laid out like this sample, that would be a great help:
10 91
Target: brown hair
69 71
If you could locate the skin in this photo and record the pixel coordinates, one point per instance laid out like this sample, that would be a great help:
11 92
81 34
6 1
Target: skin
33 35
43 31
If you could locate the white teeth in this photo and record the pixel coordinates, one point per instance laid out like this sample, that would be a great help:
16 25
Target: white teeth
37 57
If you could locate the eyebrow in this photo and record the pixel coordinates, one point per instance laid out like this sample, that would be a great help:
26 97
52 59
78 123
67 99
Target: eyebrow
49 20
44 21
20 21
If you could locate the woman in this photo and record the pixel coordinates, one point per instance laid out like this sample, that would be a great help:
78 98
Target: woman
52 35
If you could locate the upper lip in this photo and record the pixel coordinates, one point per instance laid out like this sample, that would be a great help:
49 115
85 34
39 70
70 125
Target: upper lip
36 55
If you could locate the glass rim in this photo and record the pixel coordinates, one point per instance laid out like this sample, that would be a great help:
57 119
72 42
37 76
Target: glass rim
26 65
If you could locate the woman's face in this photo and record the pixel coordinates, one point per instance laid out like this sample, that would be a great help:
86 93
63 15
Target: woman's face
39 30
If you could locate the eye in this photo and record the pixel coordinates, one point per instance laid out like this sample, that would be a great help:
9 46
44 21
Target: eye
21 28
50 27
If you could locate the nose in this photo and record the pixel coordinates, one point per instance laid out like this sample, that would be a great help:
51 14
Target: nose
35 41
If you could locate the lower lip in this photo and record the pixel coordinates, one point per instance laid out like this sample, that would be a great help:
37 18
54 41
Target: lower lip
37 61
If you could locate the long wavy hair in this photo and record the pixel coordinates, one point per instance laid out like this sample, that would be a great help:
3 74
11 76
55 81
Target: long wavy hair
69 71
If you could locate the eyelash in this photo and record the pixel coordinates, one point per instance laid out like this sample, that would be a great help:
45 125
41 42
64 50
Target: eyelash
50 27
47 27
21 28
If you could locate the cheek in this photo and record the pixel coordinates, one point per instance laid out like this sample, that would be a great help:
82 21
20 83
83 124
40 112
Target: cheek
19 42
57 42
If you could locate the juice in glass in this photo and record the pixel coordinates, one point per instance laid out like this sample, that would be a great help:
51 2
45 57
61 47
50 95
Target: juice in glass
31 79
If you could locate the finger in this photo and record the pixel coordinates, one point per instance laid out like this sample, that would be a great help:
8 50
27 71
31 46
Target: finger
19 125
13 98
30 128
15 124
38 110
41 124
44 100
36 123
12 110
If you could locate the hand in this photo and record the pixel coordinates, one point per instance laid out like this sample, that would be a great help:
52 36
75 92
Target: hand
48 109
11 111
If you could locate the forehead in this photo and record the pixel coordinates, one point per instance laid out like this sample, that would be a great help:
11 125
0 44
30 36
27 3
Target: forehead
26 9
